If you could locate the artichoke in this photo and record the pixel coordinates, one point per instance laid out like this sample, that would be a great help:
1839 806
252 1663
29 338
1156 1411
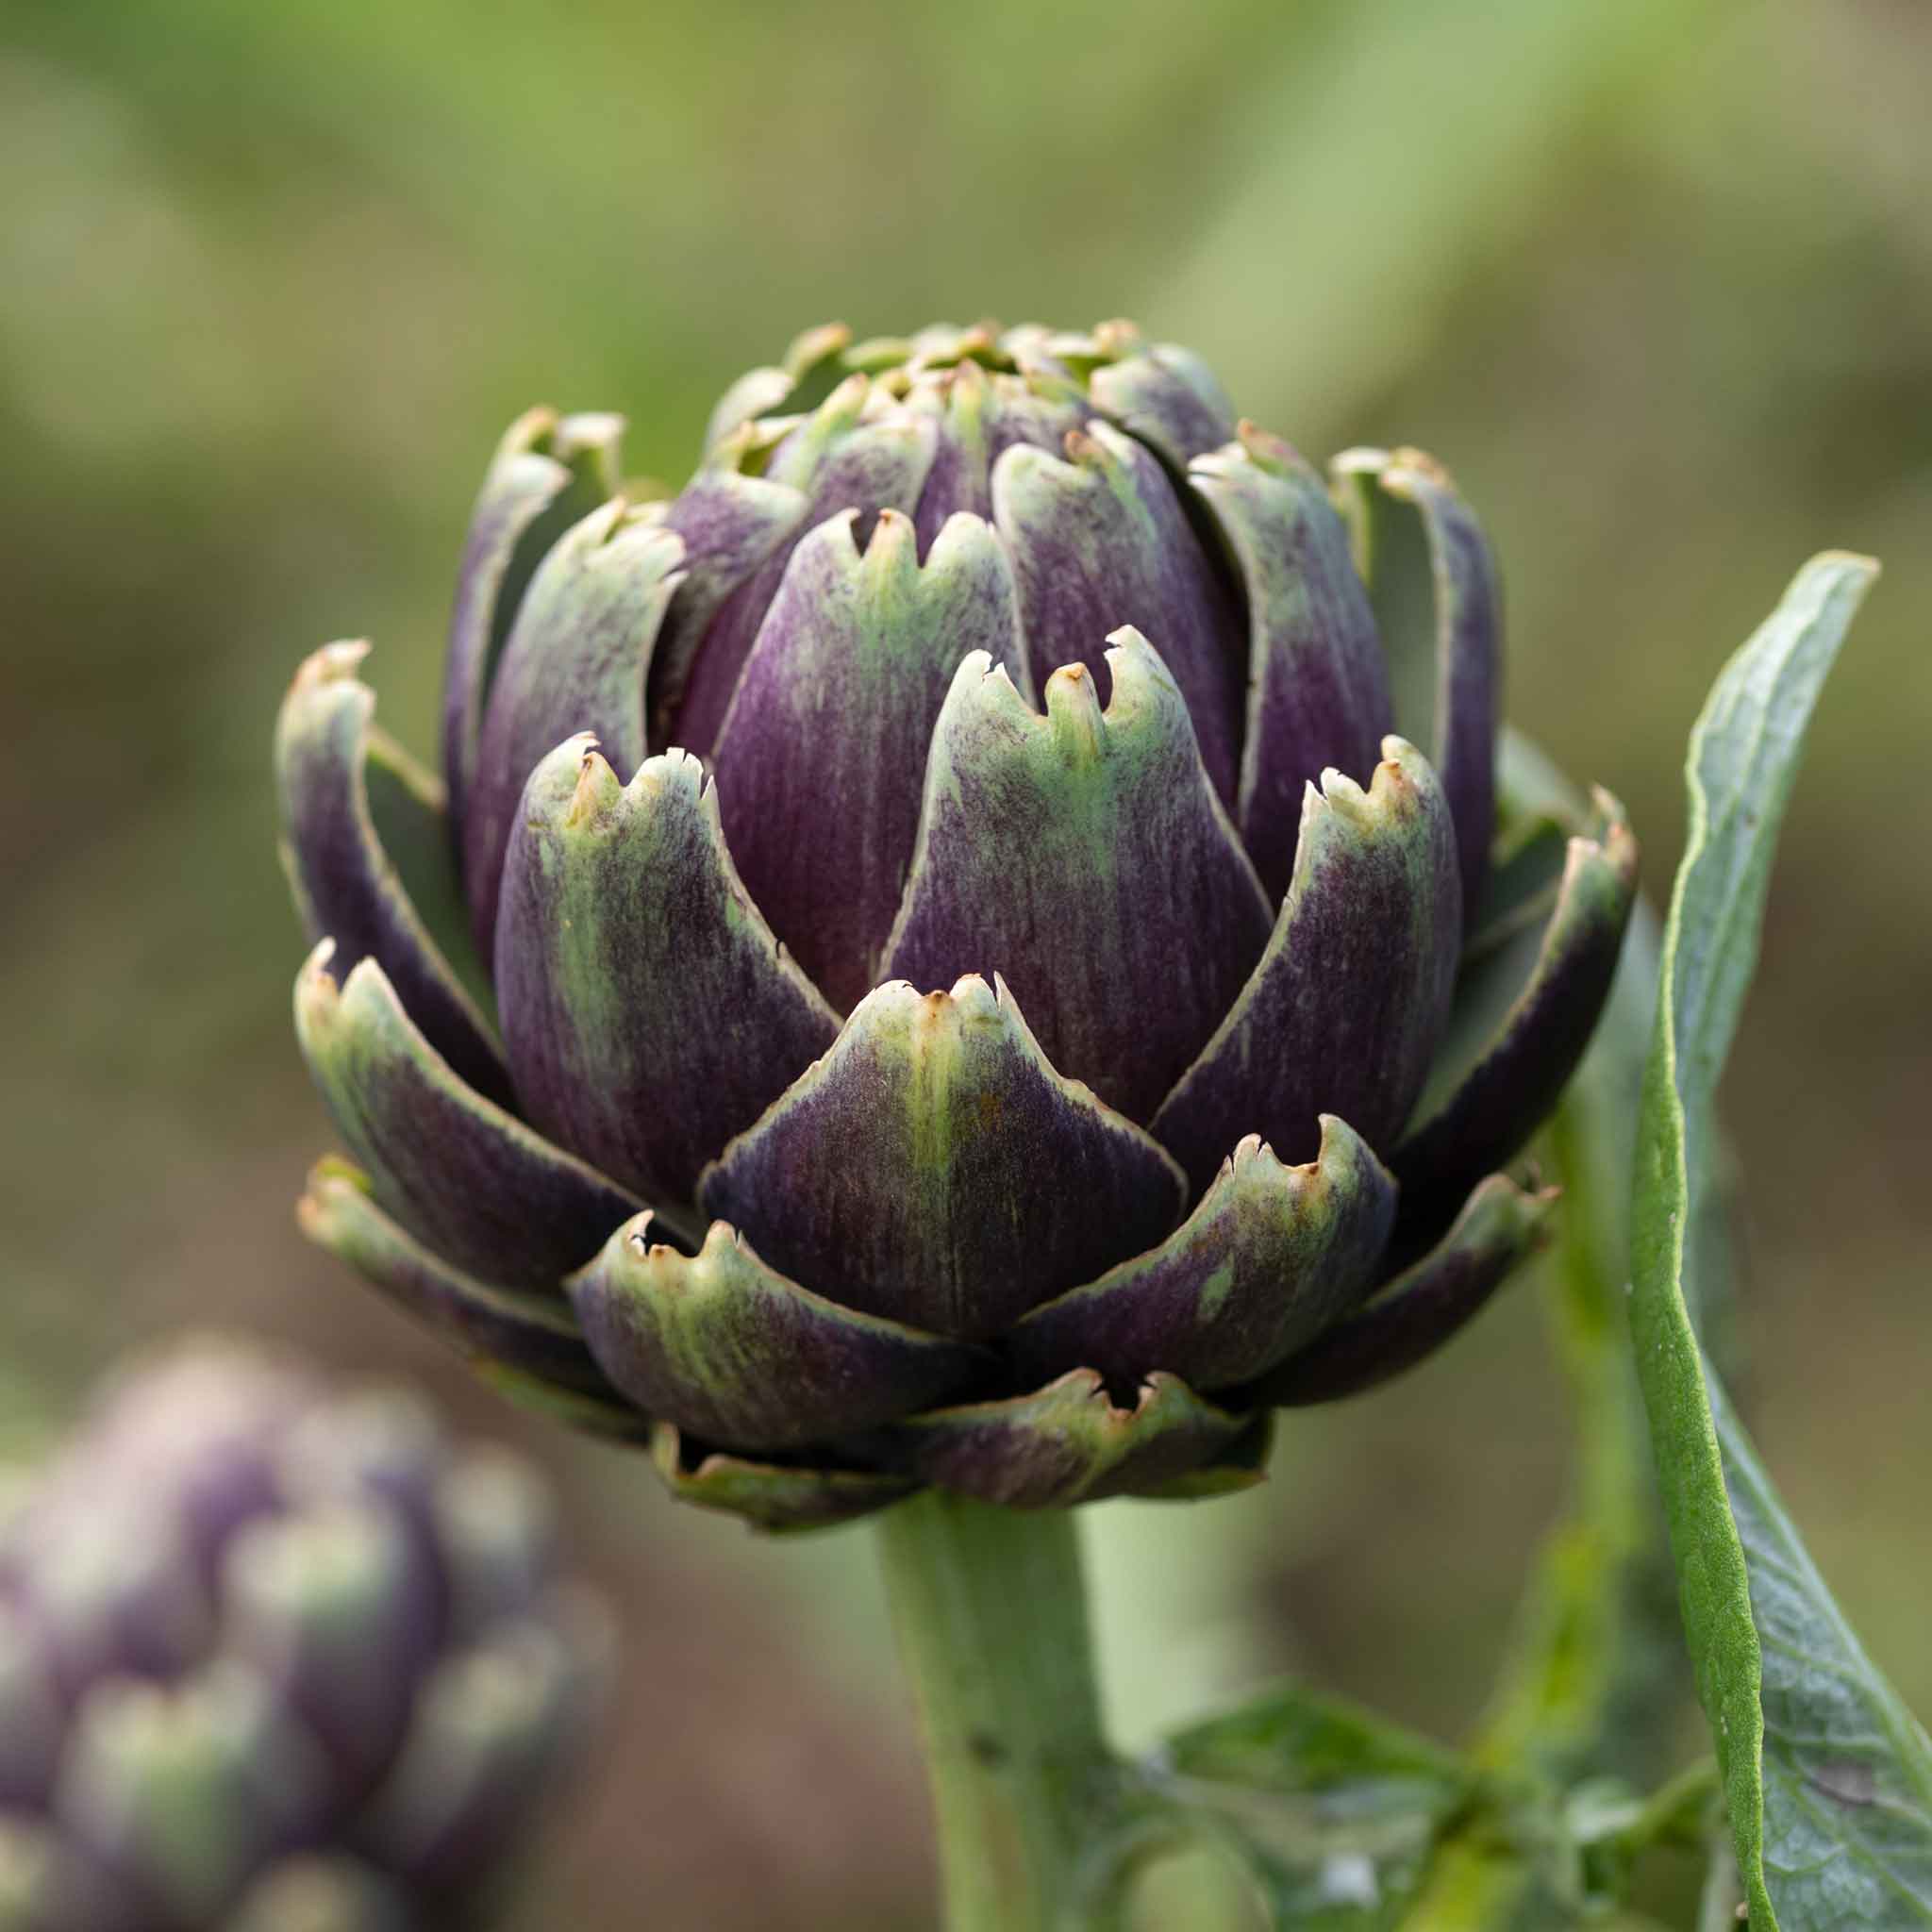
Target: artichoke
929 963
276 1660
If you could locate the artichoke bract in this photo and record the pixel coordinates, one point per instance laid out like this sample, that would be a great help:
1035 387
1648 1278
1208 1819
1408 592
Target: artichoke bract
974 946
276 1658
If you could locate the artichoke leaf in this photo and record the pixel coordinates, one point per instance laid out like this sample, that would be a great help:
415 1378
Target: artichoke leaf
333 769
648 1011
1344 1009
1827 1777
934 1168
1269 1257
730 1349
1084 855
468 1180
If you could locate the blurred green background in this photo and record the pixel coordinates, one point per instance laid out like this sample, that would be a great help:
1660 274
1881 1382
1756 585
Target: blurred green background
1654 276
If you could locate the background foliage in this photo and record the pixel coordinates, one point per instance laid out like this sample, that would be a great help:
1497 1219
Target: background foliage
1653 276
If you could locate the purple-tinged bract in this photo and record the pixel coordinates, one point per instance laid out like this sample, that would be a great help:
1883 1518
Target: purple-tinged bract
1012 852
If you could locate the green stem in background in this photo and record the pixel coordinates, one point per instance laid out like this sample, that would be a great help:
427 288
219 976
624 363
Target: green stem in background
990 1609
1586 1684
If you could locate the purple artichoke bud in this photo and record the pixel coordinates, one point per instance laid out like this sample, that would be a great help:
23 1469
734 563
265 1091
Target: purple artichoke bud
489 1721
264 1663
496 1530
975 946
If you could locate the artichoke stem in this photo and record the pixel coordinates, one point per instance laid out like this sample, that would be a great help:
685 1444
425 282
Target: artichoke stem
990 1609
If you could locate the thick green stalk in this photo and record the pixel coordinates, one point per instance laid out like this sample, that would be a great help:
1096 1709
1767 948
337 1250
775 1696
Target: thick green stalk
990 1609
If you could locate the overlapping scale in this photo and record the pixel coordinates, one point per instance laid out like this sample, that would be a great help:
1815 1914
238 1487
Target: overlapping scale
649 1012
1084 856
823 756
1345 1010
935 1169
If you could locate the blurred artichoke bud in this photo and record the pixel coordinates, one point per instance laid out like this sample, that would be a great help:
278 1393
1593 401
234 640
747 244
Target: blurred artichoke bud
323 1894
263 1666
972 946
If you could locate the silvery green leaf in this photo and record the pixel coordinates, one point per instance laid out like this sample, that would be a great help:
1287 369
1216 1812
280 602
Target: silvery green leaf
1332 1811
1828 1778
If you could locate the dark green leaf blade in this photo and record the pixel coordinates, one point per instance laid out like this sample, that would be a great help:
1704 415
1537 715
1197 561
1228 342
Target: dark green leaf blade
1848 1768
1292 1740
1786 1689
